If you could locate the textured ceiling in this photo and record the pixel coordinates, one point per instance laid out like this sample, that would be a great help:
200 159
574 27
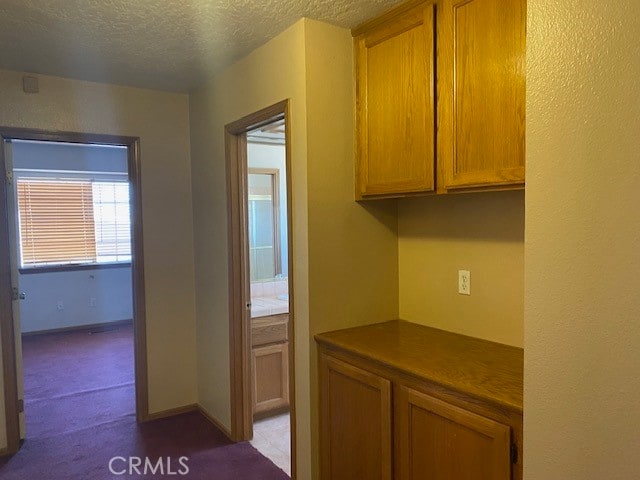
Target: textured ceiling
162 44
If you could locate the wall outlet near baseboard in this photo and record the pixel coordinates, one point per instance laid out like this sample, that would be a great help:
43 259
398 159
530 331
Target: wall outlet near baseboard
93 302
464 282
60 305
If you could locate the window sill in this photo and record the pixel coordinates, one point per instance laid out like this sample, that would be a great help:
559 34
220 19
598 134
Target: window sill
73 267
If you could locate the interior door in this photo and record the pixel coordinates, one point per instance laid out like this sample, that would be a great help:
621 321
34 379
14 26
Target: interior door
18 295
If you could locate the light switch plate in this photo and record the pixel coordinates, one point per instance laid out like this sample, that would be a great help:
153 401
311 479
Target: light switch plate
464 282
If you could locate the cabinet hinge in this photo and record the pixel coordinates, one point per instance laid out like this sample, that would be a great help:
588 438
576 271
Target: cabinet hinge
514 453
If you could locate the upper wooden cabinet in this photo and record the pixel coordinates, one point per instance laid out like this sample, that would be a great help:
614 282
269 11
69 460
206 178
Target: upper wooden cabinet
480 85
395 103
481 92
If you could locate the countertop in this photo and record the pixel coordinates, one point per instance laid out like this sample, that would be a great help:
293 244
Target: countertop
479 368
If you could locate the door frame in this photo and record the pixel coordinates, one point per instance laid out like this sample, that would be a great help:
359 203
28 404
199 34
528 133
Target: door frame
8 335
239 284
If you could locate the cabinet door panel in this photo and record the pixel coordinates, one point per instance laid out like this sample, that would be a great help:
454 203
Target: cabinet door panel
395 104
481 92
270 378
438 441
355 435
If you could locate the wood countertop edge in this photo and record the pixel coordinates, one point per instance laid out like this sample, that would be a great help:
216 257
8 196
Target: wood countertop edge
331 345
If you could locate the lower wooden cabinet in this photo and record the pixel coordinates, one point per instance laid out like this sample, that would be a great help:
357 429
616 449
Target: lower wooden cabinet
407 402
270 379
356 422
438 441
270 365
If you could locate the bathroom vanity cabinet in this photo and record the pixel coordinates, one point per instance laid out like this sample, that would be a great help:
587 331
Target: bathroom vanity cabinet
270 364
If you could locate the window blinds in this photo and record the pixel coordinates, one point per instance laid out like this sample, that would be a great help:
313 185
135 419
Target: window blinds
56 221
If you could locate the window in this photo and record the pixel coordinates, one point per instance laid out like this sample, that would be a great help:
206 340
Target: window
68 221
113 224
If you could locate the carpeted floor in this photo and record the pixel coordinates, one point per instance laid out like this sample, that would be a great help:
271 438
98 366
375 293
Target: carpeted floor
79 404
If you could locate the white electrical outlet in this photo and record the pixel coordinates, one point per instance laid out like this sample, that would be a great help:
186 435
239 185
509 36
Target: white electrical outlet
464 282
93 302
60 305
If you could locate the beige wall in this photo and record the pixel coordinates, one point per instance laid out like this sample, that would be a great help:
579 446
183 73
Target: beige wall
162 123
345 267
482 233
582 308
353 248
272 73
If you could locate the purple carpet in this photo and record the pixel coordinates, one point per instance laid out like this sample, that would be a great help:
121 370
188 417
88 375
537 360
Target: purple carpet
80 410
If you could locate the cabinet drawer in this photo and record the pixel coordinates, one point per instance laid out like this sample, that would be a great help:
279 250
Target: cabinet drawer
267 330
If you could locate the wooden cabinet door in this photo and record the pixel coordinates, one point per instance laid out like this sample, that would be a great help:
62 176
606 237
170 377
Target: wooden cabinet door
438 441
270 379
395 104
355 423
481 92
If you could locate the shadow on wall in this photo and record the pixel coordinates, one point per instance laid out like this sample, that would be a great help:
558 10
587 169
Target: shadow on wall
385 211
491 216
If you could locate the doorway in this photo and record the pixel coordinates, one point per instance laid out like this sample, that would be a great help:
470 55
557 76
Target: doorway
62 223
261 294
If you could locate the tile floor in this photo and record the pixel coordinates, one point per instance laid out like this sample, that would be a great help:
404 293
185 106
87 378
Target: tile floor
272 438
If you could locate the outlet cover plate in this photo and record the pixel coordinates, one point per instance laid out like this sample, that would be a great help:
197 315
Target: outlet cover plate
464 282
